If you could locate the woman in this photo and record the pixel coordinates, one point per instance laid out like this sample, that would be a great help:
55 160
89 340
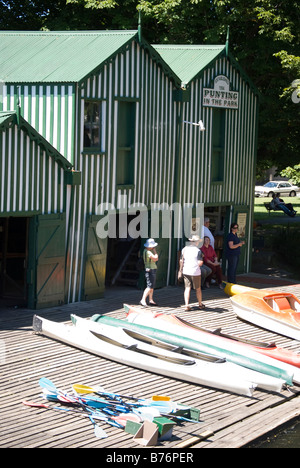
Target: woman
233 251
210 259
150 260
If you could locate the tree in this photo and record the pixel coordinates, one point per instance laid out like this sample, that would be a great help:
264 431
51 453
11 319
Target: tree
264 38
292 173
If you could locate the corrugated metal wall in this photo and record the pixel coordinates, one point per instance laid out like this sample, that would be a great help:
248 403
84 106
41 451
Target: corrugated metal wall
133 75
49 109
237 187
240 144
30 181
57 113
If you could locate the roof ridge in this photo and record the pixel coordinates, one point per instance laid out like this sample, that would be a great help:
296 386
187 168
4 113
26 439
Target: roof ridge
74 32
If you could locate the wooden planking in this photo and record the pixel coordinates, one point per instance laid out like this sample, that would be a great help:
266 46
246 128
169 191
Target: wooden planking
30 356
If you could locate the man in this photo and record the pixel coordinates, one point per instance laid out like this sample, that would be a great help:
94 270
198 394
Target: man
208 233
191 261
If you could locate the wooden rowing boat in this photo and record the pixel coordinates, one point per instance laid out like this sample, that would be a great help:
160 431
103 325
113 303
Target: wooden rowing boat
234 350
117 345
275 311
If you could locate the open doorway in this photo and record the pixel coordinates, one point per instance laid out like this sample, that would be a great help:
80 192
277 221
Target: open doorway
122 256
217 216
13 260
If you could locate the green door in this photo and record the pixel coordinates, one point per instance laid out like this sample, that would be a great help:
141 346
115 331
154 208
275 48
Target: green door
163 260
47 255
95 262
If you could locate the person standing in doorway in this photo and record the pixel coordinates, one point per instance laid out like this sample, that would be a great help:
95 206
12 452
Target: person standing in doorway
191 261
208 233
150 258
233 251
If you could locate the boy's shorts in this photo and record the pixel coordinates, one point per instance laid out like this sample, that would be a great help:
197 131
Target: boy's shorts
194 281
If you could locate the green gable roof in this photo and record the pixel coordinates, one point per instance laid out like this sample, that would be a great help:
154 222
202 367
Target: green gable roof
49 57
187 61
6 118
11 118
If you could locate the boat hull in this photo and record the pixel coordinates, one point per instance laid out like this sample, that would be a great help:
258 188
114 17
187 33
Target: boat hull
103 343
259 307
230 349
266 349
140 336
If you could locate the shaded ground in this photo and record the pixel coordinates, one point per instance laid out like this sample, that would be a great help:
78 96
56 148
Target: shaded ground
264 260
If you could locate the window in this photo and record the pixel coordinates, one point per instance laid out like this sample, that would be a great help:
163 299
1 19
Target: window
126 138
93 125
218 140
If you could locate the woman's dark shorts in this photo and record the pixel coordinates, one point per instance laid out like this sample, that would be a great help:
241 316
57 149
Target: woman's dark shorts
150 276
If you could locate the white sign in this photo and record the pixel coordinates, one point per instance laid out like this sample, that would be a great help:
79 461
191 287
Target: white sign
220 95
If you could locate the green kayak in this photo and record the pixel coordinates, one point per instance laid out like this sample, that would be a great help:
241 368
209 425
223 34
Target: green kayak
259 364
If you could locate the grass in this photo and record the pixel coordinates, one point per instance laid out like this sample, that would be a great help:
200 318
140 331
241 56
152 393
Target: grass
280 239
260 211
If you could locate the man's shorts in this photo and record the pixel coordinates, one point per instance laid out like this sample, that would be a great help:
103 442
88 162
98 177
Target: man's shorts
194 281
150 276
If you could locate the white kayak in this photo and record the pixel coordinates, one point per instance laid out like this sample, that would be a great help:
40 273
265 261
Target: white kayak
214 371
117 347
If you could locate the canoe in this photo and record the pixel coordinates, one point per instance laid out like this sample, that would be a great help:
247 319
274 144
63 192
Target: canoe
267 349
207 363
272 310
116 345
232 350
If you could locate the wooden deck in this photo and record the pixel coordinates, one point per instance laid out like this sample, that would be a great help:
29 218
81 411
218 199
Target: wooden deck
227 420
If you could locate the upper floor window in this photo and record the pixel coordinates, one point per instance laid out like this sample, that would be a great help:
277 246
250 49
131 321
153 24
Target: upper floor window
126 143
218 142
93 119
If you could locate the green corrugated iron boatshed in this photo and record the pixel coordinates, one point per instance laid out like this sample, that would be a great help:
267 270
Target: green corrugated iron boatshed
121 112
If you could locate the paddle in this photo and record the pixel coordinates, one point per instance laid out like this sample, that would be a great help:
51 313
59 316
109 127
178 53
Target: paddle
101 392
146 409
78 388
118 420
98 431
49 386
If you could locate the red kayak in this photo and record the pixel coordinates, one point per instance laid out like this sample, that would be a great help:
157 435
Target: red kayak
267 349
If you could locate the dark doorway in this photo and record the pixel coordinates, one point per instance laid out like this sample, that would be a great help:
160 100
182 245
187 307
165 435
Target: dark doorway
13 260
122 256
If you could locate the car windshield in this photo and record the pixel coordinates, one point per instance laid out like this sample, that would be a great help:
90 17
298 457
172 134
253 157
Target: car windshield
270 184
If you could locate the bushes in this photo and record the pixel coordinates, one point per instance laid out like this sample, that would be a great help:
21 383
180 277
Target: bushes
285 243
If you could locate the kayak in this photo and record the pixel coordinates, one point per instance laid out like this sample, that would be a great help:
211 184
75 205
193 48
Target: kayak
116 345
232 350
267 349
272 310
207 364
172 335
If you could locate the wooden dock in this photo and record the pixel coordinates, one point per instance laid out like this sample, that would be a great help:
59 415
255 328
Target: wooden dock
227 420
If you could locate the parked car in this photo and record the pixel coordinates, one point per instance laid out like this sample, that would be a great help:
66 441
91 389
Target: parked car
276 186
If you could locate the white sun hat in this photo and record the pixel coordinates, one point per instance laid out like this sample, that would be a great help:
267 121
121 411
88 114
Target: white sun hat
150 243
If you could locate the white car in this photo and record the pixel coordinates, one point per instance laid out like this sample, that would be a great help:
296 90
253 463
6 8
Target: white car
278 186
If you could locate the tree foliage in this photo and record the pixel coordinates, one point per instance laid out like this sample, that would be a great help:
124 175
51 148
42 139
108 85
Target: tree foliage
264 38
292 173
